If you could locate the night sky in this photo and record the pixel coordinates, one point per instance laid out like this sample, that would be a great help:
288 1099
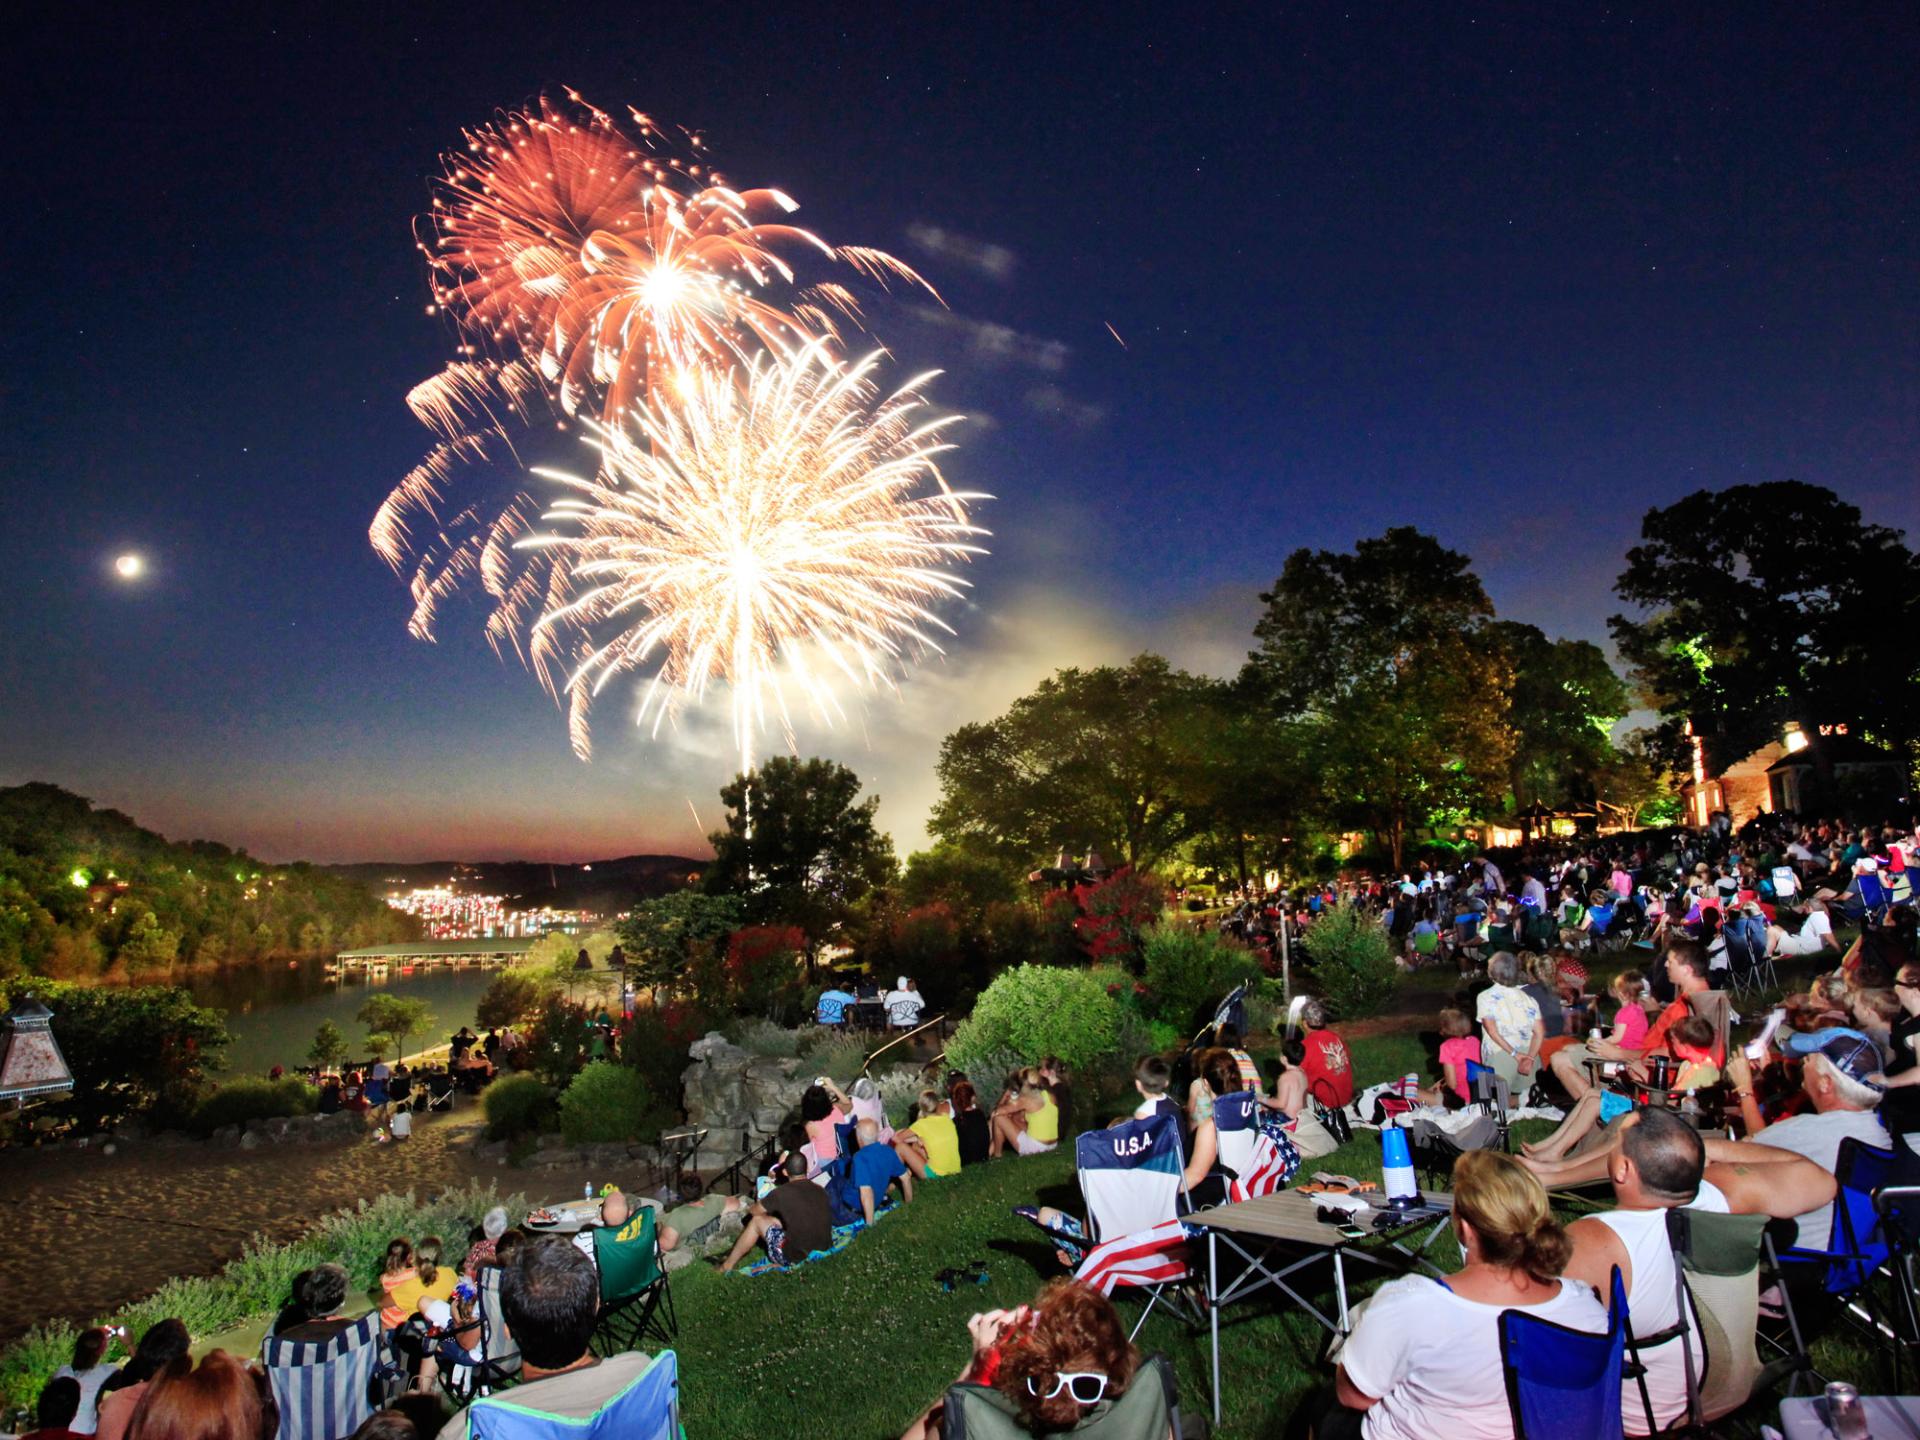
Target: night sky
1511 274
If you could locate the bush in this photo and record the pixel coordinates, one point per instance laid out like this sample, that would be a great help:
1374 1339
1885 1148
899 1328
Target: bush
517 1105
831 1052
1037 1010
1191 971
764 1038
989 1070
239 1101
1353 965
508 999
559 1040
606 1102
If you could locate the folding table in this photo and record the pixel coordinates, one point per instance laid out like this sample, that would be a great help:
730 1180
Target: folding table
1287 1217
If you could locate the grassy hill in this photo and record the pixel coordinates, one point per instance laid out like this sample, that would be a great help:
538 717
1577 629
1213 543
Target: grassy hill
87 893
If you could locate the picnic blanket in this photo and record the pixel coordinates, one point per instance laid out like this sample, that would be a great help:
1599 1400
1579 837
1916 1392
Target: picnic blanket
842 1237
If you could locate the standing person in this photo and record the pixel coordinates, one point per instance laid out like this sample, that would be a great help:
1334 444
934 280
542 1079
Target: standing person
1512 1025
1424 1359
89 1369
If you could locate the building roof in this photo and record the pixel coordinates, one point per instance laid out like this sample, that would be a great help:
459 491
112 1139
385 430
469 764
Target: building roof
1833 750
442 949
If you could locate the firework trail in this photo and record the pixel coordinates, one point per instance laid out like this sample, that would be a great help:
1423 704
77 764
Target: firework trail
777 529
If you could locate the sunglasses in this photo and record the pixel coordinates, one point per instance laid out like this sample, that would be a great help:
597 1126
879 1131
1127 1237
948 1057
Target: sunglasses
1086 1386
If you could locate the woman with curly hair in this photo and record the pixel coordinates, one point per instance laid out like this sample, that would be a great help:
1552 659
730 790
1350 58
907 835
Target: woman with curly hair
1055 1363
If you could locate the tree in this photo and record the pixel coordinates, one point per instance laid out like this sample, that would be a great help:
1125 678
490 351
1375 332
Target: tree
1384 651
1564 702
508 999
329 1046
806 853
661 935
1102 758
1767 603
393 1018
964 880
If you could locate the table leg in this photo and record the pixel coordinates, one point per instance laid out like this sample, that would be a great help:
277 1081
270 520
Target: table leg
1213 1315
1340 1286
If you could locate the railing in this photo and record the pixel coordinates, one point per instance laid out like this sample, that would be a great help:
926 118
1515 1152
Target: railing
901 1039
747 1167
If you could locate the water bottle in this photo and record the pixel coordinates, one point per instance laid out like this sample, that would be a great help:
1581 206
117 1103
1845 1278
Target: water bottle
1396 1168
587 1193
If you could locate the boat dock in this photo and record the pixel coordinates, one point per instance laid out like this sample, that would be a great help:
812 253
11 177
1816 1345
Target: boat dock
421 953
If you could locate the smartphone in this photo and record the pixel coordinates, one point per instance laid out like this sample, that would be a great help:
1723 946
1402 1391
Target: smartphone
1352 1232
1757 1050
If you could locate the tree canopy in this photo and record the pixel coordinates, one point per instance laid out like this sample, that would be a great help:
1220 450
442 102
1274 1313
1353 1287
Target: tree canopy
1767 603
1104 757
800 847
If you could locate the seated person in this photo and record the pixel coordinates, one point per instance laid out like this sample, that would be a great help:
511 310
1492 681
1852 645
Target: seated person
1428 1347
396 1275
1152 1078
493 1225
550 1298
823 1109
831 1009
1691 1041
970 1123
793 1221
695 1219
1053 1076
876 1167
322 1295
1028 1123
89 1367
904 1004
1310 1136
163 1342
1055 1360
1687 972
1512 1030
1328 1067
1795 933
1459 1047
867 1105
451 1335
931 1145
54 1412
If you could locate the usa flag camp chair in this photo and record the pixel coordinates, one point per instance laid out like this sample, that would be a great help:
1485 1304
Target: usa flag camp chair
1133 1178
1259 1164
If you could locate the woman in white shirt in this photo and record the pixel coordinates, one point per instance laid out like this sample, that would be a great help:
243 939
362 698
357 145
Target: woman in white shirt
1425 1357
91 1369
1814 935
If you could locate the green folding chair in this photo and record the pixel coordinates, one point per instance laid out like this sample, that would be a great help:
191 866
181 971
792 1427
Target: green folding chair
635 1301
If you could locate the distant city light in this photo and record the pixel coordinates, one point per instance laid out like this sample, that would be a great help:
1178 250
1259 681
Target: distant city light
448 915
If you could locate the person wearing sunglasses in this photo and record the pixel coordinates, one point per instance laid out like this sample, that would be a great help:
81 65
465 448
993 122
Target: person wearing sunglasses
1056 1364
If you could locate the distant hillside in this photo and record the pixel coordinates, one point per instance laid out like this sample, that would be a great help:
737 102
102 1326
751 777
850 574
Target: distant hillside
603 885
88 893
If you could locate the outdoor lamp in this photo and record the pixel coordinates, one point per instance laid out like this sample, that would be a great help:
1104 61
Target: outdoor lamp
31 1065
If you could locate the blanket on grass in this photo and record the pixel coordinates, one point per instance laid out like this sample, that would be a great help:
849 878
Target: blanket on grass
842 1237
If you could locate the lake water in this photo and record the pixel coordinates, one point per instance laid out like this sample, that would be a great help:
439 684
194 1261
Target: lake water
274 1009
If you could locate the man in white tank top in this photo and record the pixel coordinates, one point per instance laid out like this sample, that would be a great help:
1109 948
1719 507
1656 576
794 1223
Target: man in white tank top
1658 1166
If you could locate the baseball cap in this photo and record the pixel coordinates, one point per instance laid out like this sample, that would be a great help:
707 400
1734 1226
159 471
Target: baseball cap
1854 1057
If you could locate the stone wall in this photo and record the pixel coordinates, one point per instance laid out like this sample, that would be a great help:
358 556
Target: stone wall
740 1097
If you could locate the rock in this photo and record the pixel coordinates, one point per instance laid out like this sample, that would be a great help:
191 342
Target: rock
554 1155
109 1148
493 1150
550 1142
227 1137
251 1139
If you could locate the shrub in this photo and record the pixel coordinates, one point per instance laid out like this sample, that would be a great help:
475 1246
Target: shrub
989 1070
1191 971
1116 915
763 969
830 1052
559 1040
239 1101
606 1102
1352 961
1037 1010
763 1037
517 1105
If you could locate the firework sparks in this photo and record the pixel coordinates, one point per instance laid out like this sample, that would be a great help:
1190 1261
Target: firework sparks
778 527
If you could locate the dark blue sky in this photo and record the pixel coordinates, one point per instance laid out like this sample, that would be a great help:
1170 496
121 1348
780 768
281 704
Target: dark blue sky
1510 273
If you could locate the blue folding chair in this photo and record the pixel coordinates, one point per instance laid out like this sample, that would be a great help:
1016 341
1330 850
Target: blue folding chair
1855 1245
1874 898
1749 966
1565 1384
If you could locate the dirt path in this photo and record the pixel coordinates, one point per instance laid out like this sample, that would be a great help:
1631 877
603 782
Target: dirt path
81 1232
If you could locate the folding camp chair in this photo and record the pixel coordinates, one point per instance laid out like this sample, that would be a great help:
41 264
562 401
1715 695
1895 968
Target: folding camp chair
323 1388
1491 1094
1133 1178
499 1362
1874 898
439 1091
1150 1410
635 1300
1716 1008
1750 967
1857 1249
1720 1266
647 1409
1564 1384
1898 1208
1259 1164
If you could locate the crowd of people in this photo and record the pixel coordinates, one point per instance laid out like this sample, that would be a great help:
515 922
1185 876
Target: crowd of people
1670 1099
